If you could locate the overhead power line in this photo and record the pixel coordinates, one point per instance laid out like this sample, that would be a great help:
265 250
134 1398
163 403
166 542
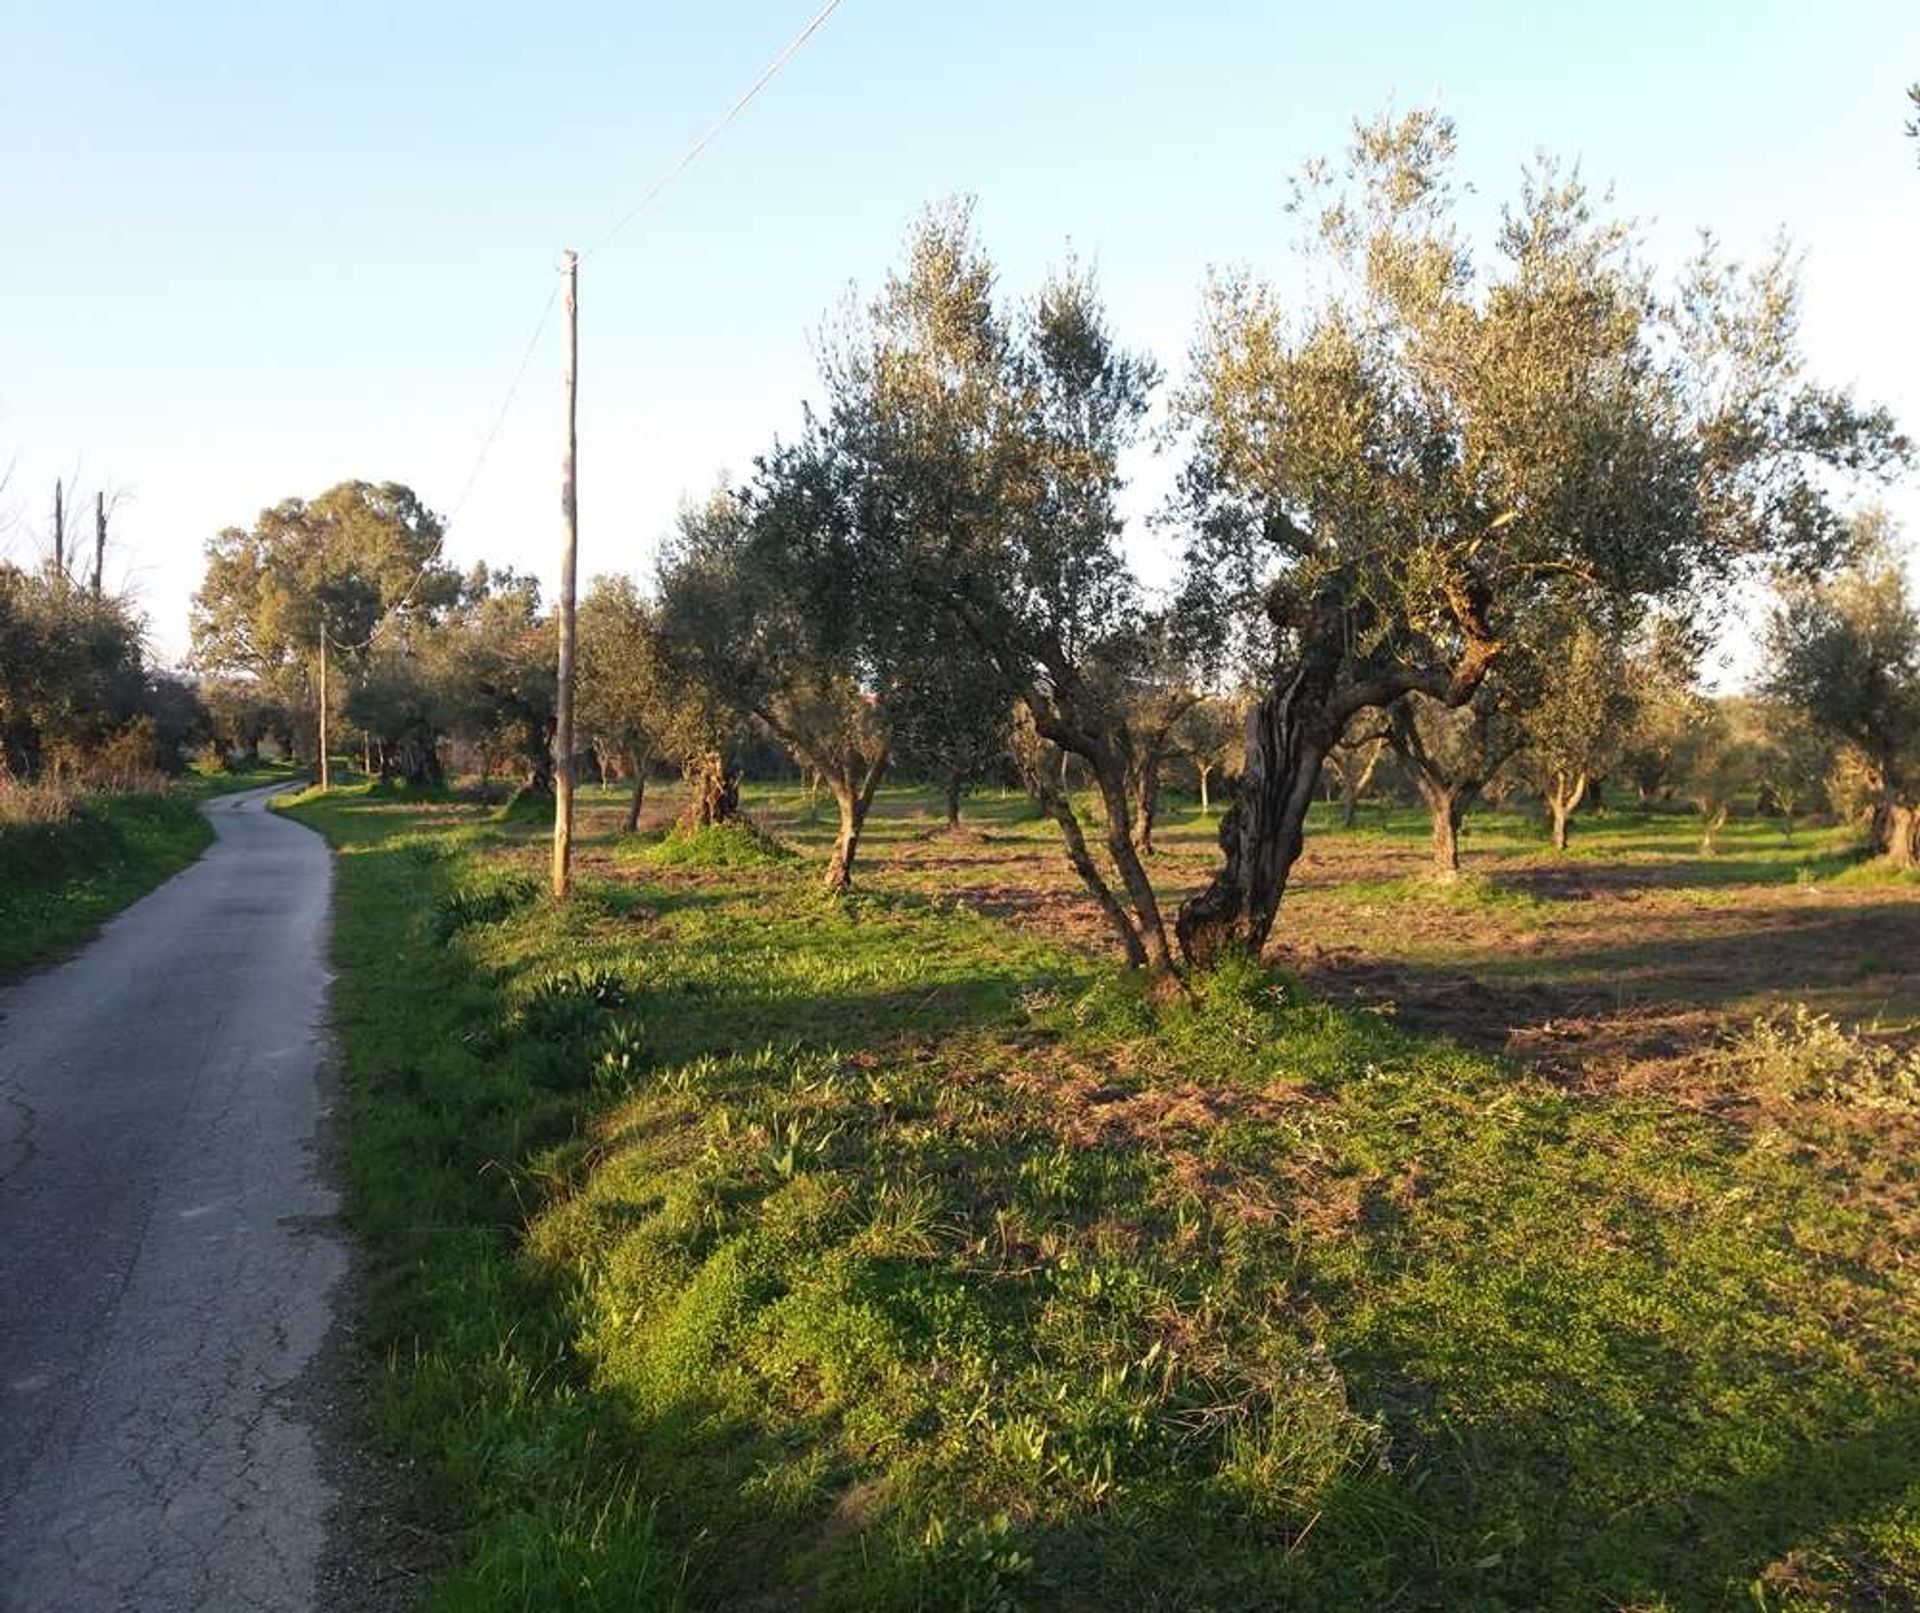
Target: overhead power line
506 403
687 159
766 77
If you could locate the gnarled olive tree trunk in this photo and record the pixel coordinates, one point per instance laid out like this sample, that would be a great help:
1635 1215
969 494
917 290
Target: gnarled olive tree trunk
853 795
1896 828
1447 807
1289 735
713 790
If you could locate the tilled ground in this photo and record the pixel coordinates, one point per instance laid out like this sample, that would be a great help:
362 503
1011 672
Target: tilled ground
1618 964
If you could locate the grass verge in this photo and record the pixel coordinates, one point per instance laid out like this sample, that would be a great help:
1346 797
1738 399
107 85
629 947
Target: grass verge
732 1247
60 881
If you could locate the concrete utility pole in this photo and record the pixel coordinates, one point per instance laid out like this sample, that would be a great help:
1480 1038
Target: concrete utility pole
99 539
569 556
59 529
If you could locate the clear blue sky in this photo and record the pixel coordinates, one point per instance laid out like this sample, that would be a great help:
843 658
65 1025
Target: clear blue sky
251 250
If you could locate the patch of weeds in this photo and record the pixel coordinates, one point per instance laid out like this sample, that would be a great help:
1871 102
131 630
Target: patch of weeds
740 844
464 907
1469 892
562 1023
1796 1053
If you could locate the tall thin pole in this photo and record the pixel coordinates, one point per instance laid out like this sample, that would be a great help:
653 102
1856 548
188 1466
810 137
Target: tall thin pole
59 529
569 556
99 539
326 768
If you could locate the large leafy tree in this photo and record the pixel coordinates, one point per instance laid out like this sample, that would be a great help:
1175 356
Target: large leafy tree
1391 484
1846 651
362 556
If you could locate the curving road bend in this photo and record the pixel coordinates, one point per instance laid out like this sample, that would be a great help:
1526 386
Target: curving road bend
168 1243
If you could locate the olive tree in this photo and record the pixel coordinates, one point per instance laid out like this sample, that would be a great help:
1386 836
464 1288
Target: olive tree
984 445
626 699
1393 481
949 717
761 605
1846 651
1452 753
1576 731
494 656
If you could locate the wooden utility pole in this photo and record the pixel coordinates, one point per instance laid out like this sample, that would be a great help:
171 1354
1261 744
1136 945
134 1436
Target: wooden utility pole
59 529
326 768
569 556
99 539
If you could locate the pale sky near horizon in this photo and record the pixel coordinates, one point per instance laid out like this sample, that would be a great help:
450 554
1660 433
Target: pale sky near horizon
253 250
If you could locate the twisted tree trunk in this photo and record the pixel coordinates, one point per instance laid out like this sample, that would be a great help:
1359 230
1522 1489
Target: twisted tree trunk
1897 828
853 794
1446 806
713 791
637 760
1288 736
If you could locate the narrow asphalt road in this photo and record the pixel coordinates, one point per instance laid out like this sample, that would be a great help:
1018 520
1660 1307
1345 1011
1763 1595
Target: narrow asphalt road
168 1245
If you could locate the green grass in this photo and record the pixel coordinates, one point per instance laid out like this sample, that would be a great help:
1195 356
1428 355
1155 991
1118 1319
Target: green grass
60 881
736 1247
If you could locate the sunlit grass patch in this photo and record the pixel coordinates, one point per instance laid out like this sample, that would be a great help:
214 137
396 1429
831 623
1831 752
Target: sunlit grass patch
739 1246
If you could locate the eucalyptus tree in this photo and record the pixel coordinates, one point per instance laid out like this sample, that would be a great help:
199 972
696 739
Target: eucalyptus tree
1392 482
360 556
761 605
983 446
1846 651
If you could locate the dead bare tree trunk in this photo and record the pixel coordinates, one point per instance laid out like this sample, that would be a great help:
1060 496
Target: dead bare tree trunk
99 540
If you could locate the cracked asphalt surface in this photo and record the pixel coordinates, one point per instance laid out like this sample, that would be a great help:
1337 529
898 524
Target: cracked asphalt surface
169 1248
